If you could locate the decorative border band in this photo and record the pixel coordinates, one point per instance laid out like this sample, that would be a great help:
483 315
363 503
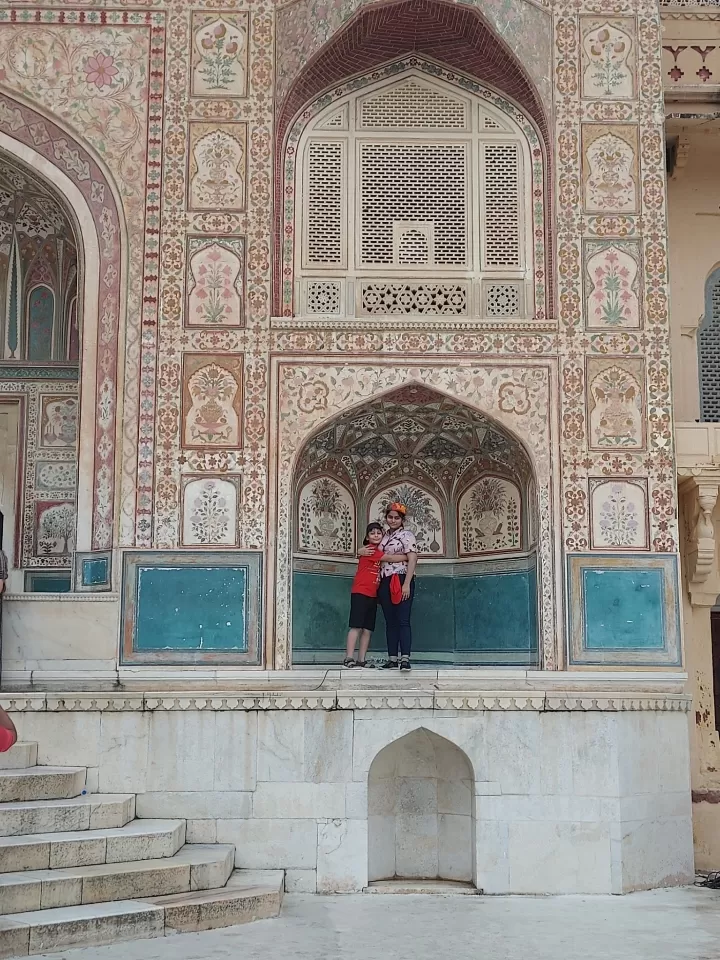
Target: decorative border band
592 702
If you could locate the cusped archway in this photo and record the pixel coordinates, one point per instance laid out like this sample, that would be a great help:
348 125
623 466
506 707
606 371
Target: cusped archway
468 486
421 823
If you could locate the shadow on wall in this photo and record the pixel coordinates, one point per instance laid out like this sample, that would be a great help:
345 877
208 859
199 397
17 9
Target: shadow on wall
420 811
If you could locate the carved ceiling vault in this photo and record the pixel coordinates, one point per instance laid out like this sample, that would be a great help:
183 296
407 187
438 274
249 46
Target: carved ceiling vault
414 434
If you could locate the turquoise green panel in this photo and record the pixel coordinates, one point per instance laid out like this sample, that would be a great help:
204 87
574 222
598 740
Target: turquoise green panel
623 609
191 608
493 613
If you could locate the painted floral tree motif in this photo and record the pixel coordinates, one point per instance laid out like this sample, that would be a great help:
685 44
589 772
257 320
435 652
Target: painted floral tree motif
607 53
215 284
489 517
612 286
212 417
610 183
59 421
615 409
326 518
219 55
55 528
217 166
618 510
210 513
424 515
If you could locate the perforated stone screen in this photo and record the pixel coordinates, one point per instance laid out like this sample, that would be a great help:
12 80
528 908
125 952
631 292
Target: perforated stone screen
709 352
414 199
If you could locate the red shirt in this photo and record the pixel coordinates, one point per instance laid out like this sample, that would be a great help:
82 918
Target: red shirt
366 578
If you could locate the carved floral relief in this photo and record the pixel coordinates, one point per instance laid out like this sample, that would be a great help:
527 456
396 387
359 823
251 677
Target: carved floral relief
489 517
618 514
217 167
615 403
325 518
212 400
219 54
610 168
612 284
424 515
215 282
608 58
58 422
210 512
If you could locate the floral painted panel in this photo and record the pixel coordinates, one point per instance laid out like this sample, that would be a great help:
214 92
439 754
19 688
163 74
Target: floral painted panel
215 282
58 422
212 395
217 167
489 517
326 518
618 512
608 58
55 475
219 54
54 528
612 284
210 512
424 515
610 168
615 403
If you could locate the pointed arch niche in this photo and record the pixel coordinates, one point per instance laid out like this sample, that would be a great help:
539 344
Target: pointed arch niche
466 482
463 236
59 327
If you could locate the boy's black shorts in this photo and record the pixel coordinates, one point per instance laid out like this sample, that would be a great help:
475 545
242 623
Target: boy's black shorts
363 611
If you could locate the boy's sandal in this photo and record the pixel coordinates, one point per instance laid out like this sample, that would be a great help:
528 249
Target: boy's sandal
349 662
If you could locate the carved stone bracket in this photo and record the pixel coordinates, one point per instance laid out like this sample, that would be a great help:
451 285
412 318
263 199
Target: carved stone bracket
699 488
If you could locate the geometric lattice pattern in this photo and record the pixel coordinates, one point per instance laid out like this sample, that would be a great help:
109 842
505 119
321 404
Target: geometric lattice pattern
502 299
413 107
435 194
502 205
324 206
709 352
433 299
323 296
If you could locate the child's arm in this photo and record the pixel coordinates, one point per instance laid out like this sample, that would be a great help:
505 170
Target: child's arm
393 558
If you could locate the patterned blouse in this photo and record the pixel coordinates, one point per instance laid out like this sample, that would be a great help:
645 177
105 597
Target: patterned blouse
399 541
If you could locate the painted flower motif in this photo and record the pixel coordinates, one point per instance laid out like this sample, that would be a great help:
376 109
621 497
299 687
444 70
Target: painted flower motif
313 396
100 70
514 398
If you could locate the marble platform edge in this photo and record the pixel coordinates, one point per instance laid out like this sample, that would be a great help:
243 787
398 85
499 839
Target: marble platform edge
341 698
62 597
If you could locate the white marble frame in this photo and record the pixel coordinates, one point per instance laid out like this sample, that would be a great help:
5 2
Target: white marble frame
306 394
91 299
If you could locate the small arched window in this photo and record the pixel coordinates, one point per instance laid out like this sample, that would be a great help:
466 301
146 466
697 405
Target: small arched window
40 323
415 197
709 351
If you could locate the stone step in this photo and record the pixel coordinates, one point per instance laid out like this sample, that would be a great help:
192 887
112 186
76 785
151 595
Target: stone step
20 755
249 895
139 840
89 812
194 867
41 783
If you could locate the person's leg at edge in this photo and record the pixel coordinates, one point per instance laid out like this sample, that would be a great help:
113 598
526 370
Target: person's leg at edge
365 638
404 629
388 609
352 638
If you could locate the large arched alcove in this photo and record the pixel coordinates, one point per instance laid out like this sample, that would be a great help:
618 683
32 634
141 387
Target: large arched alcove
421 823
469 487
75 178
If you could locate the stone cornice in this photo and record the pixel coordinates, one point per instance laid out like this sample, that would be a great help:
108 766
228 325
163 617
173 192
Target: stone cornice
349 699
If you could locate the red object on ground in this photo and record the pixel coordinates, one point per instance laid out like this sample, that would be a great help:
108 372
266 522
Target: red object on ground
7 739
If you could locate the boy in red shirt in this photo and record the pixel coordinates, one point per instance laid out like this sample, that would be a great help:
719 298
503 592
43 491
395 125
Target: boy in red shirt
363 598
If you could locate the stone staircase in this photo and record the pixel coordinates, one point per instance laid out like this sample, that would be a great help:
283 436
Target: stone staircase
79 869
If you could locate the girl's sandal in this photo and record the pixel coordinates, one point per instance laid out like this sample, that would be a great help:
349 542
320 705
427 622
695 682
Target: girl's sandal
368 664
349 662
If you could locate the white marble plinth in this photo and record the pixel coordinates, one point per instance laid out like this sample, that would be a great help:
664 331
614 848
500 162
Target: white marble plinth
517 791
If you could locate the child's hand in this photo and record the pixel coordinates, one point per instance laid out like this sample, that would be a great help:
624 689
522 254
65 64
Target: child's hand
366 551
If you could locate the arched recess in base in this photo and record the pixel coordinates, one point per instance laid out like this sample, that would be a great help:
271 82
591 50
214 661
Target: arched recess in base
72 169
421 818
